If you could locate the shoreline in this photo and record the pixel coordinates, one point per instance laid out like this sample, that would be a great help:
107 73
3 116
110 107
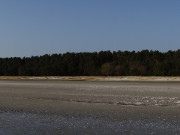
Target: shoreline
96 78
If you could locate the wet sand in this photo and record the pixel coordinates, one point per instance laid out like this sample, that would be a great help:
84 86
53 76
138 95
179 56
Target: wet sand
135 107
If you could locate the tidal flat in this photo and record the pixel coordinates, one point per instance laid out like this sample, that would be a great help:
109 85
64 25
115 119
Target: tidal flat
89 107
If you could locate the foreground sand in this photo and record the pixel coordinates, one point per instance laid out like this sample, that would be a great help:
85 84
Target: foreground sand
54 96
89 107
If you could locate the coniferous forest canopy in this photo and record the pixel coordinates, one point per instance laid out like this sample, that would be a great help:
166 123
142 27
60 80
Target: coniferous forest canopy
120 63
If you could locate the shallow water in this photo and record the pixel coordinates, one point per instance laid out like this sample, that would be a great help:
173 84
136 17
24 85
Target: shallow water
50 124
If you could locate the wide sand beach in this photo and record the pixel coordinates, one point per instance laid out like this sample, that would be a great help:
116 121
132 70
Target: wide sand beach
90 105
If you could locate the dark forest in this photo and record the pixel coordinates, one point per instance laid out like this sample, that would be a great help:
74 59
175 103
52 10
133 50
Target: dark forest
104 63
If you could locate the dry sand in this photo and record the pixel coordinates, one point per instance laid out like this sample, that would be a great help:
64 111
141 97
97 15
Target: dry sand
93 78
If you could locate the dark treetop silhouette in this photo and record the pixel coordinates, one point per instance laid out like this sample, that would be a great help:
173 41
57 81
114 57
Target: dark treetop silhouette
125 63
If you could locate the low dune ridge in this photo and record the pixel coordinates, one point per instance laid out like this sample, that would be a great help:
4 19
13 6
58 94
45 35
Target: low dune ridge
93 78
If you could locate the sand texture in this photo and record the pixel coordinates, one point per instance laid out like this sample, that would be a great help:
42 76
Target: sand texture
120 107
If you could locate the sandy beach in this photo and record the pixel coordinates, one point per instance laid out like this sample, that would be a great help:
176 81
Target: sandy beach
94 78
133 102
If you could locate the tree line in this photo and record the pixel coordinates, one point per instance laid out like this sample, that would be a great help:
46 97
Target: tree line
107 63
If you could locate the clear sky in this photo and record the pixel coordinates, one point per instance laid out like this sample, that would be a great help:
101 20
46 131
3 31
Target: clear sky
37 27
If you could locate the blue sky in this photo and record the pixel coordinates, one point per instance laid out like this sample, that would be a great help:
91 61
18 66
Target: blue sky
37 27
